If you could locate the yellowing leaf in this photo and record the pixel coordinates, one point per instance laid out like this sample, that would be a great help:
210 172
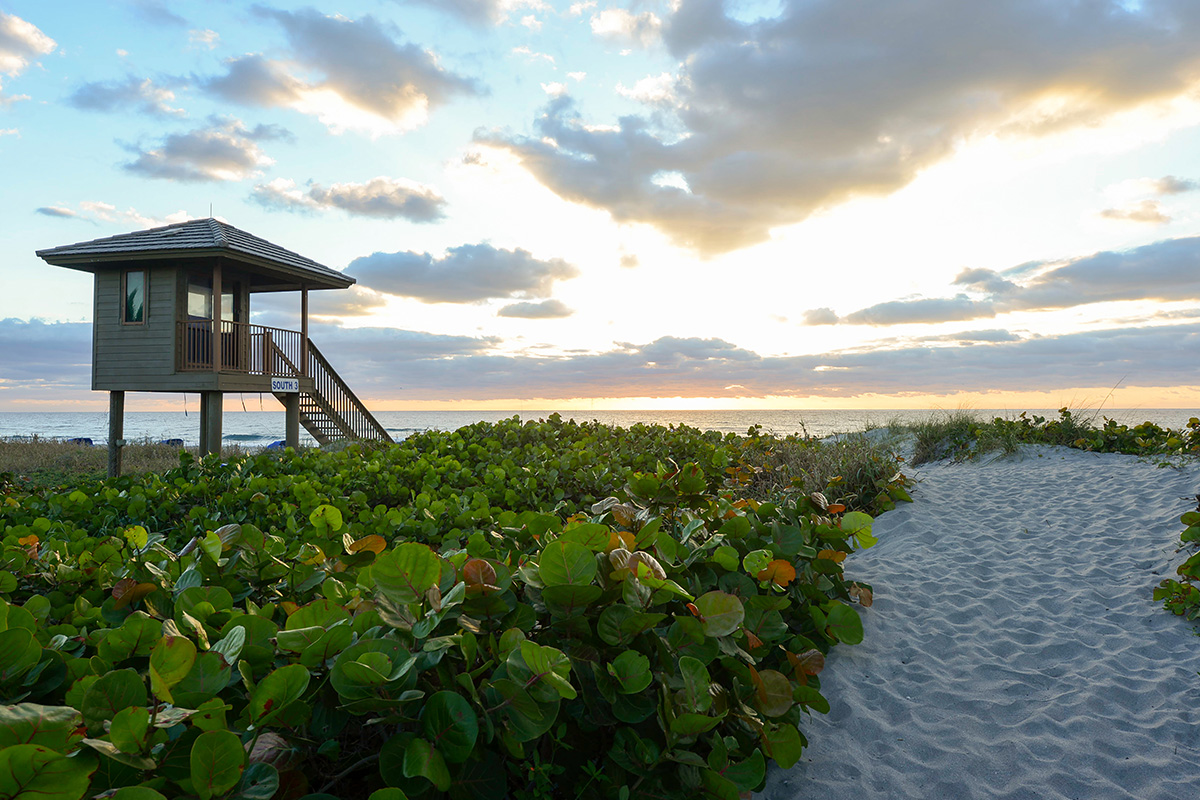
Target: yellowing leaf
778 572
836 556
373 543
137 536
620 539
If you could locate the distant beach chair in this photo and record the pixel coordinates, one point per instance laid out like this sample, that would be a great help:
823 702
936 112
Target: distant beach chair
82 441
172 442
278 445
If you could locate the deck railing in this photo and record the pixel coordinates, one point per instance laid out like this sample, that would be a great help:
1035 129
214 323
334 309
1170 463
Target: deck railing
245 348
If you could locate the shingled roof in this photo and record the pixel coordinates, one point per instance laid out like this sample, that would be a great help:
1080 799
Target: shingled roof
200 238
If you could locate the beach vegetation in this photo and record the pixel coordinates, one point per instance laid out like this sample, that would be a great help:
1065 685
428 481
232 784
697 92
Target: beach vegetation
526 610
1182 596
961 436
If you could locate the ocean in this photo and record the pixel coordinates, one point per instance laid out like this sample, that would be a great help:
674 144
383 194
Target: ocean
254 429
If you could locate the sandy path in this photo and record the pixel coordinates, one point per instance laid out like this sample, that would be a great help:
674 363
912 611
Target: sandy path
1014 650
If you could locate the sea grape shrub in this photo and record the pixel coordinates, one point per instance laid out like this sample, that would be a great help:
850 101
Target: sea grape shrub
433 486
662 642
1182 596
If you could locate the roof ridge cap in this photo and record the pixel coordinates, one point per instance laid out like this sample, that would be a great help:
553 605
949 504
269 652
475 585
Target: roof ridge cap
218 233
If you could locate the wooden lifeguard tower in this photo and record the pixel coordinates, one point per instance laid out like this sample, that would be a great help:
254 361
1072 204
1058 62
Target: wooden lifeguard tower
172 314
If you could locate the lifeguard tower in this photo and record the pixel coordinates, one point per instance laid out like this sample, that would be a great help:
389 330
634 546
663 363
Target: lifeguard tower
172 314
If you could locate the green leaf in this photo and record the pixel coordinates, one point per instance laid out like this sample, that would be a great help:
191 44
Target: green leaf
170 661
113 692
756 561
54 727
421 759
748 774
718 786
844 623
773 693
19 653
696 684
209 675
783 743
543 664
693 724
217 760
619 624
33 772
129 729
259 782
720 613
388 793
274 692
137 793
212 546
406 573
449 722
726 557
858 525
231 645
565 562
566 600
326 518
322 613
111 751
632 671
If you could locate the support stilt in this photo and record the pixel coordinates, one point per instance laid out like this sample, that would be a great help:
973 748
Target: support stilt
291 407
116 431
210 423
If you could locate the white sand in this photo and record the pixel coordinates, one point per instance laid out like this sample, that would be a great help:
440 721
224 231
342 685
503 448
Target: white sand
1014 649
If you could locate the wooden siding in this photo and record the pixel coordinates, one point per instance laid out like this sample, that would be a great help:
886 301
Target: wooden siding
134 356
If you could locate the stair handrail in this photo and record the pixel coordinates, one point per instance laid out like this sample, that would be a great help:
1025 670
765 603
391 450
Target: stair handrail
345 405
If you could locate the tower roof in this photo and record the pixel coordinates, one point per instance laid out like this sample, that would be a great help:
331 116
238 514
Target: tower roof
200 238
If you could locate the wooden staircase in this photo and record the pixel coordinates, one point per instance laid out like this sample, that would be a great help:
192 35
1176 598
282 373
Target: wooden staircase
332 412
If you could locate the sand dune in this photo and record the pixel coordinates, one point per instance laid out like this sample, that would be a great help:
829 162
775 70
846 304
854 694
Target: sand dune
1014 649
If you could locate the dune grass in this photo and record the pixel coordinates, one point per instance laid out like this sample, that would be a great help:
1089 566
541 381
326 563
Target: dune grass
38 462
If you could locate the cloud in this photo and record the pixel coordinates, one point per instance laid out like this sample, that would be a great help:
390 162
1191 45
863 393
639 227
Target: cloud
33 350
140 94
1165 270
619 24
1147 211
677 367
95 211
379 198
206 38
532 55
924 309
820 316
479 12
224 151
391 363
547 309
56 211
1169 184
777 119
474 11
21 43
156 11
653 90
470 273
350 74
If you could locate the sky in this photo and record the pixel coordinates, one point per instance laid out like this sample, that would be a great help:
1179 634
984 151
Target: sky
635 203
